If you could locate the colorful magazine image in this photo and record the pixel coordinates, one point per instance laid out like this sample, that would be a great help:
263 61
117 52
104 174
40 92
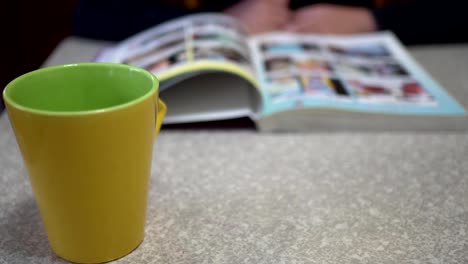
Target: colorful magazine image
211 69
374 50
396 91
371 68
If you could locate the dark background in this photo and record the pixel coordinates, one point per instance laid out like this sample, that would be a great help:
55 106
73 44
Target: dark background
30 30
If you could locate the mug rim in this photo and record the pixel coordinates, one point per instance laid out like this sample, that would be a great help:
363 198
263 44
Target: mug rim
149 93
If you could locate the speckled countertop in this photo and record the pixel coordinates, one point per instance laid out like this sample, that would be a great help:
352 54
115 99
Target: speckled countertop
244 197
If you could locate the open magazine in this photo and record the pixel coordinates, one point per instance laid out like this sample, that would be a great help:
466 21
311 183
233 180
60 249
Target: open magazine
211 69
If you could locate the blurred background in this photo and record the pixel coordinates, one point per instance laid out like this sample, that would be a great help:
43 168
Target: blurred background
32 29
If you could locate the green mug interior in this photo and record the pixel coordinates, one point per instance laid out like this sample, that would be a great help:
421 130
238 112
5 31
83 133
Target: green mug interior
80 87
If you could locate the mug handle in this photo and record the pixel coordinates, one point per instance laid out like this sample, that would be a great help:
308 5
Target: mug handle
161 109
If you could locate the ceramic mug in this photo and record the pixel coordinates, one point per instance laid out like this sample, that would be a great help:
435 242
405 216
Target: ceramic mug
86 133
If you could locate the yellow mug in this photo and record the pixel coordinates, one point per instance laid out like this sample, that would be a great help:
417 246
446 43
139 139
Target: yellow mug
86 133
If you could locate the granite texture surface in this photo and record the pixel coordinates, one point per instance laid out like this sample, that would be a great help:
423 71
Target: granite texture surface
242 197
245 197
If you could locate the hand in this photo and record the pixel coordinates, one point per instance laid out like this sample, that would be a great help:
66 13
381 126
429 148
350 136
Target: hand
326 18
261 15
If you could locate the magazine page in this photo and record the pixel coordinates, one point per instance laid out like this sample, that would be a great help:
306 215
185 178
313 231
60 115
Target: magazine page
191 43
368 73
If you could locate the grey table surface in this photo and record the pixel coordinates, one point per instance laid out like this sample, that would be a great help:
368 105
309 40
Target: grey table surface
244 197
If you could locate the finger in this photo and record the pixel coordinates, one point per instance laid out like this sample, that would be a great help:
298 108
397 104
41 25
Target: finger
295 24
291 27
302 26
280 2
305 14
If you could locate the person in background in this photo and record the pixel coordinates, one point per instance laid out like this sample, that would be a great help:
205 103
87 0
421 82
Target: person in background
413 21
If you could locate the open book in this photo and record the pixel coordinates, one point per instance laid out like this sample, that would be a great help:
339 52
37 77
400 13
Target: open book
210 69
